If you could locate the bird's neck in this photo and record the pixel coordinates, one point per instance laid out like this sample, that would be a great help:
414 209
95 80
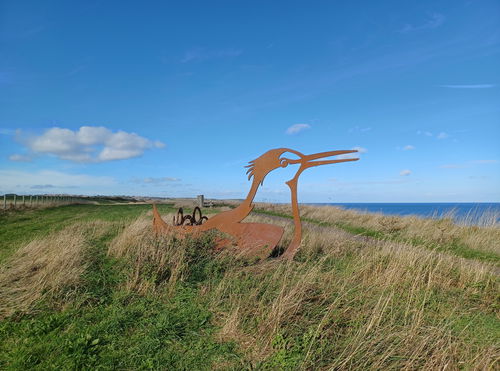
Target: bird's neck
246 206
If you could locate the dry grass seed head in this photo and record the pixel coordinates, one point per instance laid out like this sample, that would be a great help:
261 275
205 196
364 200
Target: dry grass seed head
155 261
46 266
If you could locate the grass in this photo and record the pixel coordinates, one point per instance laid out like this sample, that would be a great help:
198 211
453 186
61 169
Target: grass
21 226
98 322
93 288
389 228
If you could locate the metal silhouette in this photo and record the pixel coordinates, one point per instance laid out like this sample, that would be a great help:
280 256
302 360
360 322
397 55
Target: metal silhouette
181 219
254 238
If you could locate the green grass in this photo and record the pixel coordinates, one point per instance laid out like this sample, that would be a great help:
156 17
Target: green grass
129 332
20 226
107 327
100 324
455 247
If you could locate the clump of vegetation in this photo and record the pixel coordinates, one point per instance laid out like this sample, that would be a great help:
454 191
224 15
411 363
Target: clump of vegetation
360 305
118 308
124 298
47 267
156 264
465 240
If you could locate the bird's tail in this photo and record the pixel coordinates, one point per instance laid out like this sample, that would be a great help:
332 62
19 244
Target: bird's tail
159 224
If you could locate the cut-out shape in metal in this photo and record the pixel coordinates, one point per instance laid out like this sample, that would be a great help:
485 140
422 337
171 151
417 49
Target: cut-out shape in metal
254 238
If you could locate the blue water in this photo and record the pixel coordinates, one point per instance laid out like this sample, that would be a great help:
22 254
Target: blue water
466 211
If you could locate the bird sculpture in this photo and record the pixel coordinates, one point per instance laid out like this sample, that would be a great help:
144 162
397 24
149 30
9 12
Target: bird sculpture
253 238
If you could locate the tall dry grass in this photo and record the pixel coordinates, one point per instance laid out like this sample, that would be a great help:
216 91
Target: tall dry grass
349 303
485 237
46 267
343 303
156 262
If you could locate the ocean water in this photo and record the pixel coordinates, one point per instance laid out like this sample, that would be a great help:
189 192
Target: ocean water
466 212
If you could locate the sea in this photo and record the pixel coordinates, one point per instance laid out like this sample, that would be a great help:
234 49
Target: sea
481 213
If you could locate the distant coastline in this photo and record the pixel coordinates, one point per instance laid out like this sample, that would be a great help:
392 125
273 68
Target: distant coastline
468 212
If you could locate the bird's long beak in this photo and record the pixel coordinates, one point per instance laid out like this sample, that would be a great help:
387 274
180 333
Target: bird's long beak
308 160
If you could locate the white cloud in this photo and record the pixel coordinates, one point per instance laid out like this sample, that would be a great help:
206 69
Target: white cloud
482 162
469 86
89 144
353 155
297 128
405 172
44 186
426 133
7 131
441 135
435 20
160 180
18 180
358 129
20 158
360 149
469 164
408 147
453 166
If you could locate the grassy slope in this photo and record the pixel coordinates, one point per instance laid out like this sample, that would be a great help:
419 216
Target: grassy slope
163 304
19 227
104 325
454 246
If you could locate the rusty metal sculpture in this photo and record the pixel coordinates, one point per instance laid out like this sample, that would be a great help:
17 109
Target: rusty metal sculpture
253 238
181 219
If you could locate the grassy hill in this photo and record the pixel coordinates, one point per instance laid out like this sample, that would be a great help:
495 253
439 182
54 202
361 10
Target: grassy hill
89 286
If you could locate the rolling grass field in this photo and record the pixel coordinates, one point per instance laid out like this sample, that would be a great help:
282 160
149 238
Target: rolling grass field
90 287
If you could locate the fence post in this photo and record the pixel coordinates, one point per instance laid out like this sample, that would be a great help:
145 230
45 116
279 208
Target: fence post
24 203
31 200
201 200
15 201
4 201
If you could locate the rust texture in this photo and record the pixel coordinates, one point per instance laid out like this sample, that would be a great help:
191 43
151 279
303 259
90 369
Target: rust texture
254 238
181 219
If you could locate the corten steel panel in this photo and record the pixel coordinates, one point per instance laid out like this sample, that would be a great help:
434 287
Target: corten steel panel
253 238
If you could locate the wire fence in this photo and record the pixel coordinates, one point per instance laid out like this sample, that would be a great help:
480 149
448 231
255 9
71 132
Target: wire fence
14 201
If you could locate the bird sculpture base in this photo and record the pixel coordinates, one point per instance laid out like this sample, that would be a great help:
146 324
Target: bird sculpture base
251 239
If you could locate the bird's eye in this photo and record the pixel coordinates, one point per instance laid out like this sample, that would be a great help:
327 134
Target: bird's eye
284 162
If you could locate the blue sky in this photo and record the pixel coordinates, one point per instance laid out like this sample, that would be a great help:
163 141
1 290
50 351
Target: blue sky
173 98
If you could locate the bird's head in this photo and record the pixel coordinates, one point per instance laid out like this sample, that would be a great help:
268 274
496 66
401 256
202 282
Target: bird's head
282 157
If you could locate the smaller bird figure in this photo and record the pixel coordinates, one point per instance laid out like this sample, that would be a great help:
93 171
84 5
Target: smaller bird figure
253 238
